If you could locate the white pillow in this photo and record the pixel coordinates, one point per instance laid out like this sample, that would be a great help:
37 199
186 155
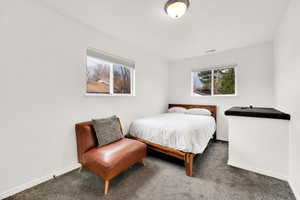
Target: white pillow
198 111
177 110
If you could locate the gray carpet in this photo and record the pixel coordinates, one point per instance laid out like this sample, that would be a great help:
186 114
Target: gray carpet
163 178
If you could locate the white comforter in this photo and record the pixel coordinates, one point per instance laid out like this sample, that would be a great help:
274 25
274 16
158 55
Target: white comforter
188 133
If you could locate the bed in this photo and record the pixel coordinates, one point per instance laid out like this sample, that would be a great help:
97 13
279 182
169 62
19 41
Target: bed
176 134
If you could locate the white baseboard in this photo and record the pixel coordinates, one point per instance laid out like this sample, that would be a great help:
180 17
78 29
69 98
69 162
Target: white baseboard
296 193
67 169
37 181
259 171
222 139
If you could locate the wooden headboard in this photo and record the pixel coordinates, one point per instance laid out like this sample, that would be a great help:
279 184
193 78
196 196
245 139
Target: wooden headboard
211 108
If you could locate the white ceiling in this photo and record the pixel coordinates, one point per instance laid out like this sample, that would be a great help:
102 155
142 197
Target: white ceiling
208 24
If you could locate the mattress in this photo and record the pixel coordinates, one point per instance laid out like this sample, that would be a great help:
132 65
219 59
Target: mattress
184 132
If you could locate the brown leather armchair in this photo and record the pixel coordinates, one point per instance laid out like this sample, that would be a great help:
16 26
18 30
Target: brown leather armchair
109 160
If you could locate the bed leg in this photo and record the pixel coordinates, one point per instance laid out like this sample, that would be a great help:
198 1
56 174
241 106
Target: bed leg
188 161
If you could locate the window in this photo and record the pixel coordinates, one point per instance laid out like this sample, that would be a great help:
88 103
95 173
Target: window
108 75
214 82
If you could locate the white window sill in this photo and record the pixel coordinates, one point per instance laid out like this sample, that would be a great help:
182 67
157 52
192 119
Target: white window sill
221 95
109 95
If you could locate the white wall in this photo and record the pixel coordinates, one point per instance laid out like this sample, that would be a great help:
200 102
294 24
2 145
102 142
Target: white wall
42 85
254 80
253 142
287 82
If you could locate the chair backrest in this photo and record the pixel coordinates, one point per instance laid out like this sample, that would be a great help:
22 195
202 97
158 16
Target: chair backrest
86 138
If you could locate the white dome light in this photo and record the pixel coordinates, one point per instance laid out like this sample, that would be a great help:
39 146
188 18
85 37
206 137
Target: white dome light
176 8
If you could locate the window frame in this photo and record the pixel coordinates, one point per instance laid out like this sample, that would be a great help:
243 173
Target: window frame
111 77
212 69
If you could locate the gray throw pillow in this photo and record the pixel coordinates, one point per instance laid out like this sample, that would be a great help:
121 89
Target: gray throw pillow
107 130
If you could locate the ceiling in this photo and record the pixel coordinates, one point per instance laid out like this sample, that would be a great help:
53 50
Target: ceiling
208 24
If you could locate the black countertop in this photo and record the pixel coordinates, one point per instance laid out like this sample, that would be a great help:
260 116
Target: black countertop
257 112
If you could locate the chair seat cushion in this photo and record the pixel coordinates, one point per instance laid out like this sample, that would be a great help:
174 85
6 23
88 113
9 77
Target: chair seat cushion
108 160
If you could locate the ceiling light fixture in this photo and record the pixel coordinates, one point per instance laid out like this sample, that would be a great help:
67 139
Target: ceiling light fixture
176 8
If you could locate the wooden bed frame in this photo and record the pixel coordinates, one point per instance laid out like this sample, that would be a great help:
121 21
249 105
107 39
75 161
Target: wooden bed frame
188 158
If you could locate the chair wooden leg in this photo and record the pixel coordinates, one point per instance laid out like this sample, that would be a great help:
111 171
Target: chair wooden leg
188 161
142 162
106 186
80 169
